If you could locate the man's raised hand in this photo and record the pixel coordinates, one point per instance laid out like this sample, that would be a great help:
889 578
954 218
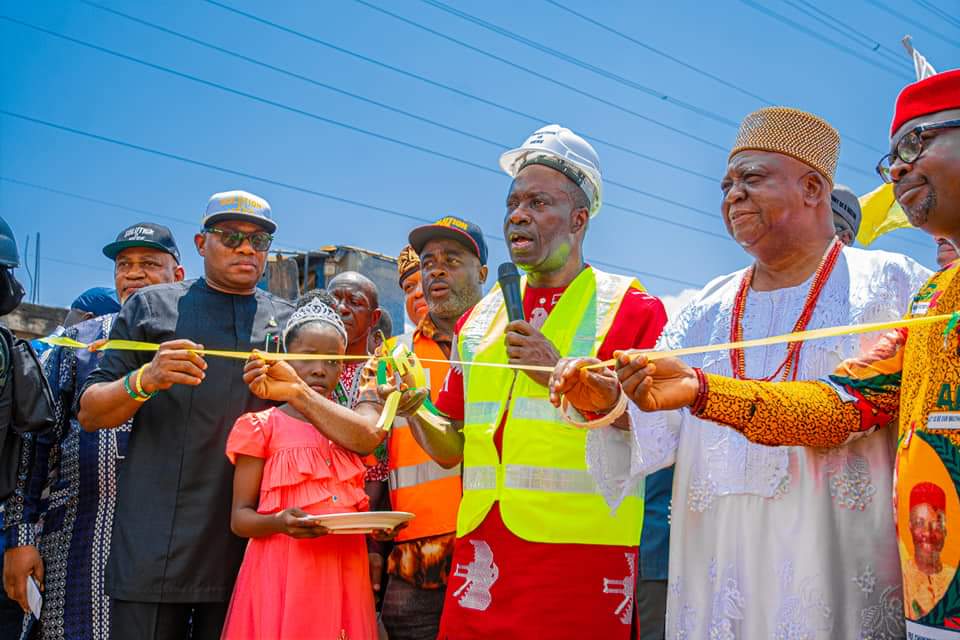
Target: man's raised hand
527 345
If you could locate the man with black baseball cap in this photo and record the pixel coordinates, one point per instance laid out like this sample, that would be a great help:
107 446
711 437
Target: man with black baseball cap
78 516
453 256
462 231
173 559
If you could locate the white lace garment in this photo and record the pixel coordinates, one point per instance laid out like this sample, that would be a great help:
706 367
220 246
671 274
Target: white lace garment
774 542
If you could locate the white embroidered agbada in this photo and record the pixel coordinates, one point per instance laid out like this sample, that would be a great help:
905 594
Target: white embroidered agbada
775 542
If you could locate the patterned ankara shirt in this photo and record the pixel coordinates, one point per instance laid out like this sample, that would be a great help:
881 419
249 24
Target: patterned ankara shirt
66 495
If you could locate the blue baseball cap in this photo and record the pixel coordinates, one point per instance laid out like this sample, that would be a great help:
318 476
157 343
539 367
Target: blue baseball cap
98 300
454 228
239 205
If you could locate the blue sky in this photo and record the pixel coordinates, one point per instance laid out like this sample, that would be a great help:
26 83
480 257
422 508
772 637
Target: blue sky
455 82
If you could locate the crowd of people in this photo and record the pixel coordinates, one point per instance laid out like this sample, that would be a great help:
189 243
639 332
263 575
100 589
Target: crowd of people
735 492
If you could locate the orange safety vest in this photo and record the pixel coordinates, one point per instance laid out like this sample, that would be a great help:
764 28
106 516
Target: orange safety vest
417 483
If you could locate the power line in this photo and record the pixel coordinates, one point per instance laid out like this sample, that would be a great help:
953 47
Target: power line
687 65
301 189
554 80
152 215
72 263
350 127
914 22
627 82
254 97
940 13
541 76
291 74
540 120
659 52
813 34
845 30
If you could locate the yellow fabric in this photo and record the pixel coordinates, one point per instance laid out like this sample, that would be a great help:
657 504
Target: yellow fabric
537 445
881 214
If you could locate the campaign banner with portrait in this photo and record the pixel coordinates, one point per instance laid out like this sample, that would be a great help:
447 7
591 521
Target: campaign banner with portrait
927 509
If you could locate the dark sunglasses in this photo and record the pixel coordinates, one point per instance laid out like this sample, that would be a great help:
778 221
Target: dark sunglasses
259 240
909 147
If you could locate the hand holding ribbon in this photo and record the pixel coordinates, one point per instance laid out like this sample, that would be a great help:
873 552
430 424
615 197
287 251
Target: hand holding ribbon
413 395
271 380
588 390
175 362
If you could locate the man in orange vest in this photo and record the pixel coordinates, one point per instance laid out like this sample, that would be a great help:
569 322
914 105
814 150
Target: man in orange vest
453 258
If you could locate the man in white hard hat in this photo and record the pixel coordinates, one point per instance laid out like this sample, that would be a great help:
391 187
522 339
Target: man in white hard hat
538 552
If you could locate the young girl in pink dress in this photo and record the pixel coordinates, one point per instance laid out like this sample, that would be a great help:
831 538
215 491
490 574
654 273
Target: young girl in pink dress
295 581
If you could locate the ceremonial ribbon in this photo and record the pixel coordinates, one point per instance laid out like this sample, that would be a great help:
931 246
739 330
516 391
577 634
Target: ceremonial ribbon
799 336
402 360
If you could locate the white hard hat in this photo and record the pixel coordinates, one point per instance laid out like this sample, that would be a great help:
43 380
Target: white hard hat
561 149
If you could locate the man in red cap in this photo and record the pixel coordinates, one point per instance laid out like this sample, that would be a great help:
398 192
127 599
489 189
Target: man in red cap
911 374
925 575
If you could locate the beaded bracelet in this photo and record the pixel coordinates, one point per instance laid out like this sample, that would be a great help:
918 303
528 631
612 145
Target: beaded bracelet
700 403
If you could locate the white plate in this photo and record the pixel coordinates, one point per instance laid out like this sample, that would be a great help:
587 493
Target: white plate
362 522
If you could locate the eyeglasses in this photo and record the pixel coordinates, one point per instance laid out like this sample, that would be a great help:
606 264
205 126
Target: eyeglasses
259 240
909 147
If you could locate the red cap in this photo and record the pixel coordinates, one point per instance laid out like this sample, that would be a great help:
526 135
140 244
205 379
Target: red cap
930 95
928 493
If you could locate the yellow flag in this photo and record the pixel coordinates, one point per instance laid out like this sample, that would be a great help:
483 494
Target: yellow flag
881 214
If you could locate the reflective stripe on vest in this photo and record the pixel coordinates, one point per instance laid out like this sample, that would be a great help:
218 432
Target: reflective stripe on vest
533 478
420 473
545 491
417 483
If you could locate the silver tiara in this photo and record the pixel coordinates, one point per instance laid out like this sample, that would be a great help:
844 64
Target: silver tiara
314 311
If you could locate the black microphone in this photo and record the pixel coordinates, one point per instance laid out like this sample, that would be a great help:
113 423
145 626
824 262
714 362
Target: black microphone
509 279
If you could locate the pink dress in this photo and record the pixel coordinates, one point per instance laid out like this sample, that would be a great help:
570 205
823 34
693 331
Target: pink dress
316 588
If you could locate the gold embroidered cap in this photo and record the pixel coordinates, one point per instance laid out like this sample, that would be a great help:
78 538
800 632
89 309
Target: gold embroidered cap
407 262
798 134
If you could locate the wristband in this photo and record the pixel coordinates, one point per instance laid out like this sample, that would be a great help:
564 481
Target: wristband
129 389
139 385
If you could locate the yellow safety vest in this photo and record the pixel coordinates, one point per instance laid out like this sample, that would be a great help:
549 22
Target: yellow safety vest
546 493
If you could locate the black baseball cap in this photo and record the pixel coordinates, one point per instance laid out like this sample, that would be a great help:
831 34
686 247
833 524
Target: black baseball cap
144 234
454 228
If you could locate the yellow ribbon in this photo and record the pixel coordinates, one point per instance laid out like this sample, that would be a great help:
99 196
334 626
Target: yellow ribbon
799 336
403 361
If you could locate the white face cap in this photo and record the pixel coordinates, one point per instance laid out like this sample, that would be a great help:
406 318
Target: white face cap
239 205
563 150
